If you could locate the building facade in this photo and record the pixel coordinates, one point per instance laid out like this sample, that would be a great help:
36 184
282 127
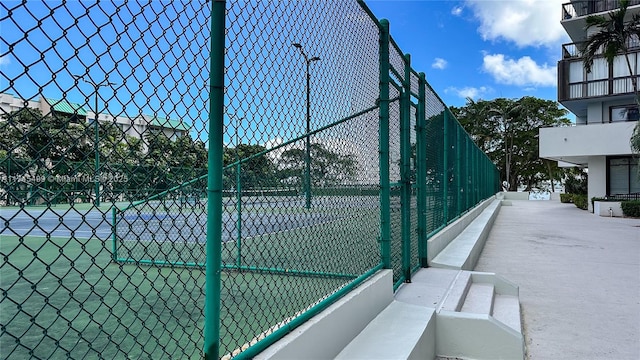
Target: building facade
604 103
137 127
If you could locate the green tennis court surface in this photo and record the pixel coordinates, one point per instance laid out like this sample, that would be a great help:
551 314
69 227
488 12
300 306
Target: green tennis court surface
85 305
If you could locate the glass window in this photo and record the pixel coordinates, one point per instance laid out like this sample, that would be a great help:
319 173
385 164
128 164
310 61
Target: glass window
623 176
624 113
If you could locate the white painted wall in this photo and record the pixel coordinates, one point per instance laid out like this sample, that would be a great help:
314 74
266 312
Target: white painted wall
587 140
594 113
597 178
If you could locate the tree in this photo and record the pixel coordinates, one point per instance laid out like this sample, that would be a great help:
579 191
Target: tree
258 172
39 148
612 38
170 163
507 131
328 168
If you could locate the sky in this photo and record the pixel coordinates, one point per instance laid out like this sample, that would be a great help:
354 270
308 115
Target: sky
482 49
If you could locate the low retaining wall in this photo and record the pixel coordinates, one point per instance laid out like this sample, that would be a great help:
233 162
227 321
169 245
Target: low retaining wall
601 208
438 242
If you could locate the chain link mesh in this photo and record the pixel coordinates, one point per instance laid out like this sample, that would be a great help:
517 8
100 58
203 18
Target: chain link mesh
67 172
103 171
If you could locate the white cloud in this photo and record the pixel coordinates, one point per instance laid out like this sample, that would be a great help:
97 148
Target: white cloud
522 72
439 63
456 11
524 22
5 60
469 92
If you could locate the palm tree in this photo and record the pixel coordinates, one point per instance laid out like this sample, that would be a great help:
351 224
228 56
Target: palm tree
612 38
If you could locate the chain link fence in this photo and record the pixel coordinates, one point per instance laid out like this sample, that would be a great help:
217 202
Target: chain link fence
271 155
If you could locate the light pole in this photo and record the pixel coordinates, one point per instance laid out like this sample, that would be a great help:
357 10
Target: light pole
96 87
238 194
307 159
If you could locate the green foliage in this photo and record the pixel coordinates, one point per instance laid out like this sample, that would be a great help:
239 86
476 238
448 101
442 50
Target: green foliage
566 198
328 168
631 208
581 201
52 158
256 173
576 182
506 130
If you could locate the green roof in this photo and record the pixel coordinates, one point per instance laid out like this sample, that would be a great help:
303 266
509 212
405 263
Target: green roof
168 123
66 107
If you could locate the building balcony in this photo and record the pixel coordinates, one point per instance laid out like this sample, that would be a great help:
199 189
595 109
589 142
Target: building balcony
575 144
577 9
574 14
611 86
576 87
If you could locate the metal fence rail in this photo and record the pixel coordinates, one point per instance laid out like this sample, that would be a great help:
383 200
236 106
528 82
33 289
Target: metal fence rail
271 155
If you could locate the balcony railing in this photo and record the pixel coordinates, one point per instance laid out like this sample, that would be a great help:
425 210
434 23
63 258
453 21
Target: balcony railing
596 88
575 50
577 9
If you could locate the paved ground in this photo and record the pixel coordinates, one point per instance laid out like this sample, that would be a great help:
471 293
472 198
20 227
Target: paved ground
579 278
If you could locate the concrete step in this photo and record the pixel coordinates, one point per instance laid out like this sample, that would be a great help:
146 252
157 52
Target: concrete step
400 331
480 319
506 309
479 299
457 292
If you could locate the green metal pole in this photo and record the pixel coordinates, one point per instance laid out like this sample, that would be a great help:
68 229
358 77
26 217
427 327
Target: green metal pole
114 234
238 209
307 157
238 197
469 160
97 149
459 194
214 182
476 172
385 190
405 172
421 164
445 166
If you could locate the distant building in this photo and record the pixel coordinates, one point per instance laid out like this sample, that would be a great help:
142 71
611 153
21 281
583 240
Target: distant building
138 127
603 102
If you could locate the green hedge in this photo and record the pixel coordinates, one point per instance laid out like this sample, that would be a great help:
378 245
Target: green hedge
631 208
581 201
566 198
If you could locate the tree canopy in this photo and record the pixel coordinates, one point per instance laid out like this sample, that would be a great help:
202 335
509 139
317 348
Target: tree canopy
507 131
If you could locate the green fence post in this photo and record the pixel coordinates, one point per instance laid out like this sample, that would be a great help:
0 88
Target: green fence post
470 180
421 176
114 234
445 167
385 206
405 171
476 176
239 211
459 195
214 182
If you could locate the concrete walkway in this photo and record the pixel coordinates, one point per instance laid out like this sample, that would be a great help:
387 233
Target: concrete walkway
579 278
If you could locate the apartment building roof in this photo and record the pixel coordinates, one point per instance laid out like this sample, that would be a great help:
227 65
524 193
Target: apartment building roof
66 107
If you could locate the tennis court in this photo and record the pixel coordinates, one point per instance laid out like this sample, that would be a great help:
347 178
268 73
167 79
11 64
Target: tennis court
70 285
170 233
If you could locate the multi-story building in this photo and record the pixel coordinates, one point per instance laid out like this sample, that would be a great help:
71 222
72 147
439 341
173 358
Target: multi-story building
137 127
604 104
